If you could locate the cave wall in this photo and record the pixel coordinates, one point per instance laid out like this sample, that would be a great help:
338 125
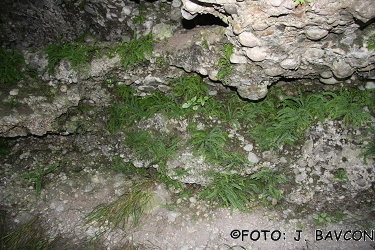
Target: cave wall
34 24
273 39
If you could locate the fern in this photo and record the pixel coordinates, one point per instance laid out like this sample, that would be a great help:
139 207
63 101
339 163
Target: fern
311 104
159 103
228 190
133 52
224 64
348 106
125 112
236 191
12 65
148 147
208 143
371 43
76 53
188 87
368 150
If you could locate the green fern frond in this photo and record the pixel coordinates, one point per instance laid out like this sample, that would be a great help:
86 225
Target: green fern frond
189 87
133 52
12 65
208 143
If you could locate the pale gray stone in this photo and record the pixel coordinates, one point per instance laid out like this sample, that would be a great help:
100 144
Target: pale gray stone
176 3
289 63
329 81
163 31
248 39
341 69
252 158
316 34
172 215
256 54
187 15
326 74
275 3
230 9
248 147
370 85
235 58
274 71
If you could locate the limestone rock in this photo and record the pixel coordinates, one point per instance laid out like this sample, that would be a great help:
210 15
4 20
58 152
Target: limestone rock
341 69
252 158
256 54
247 39
162 31
290 63
235 58
316 33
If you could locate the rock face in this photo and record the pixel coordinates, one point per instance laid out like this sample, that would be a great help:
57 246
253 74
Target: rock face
30 24
280 40
272 39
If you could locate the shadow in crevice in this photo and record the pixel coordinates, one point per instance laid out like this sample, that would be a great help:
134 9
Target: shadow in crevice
364 25
203 20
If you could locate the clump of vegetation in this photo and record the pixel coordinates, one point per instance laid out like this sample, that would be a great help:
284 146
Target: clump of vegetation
27 236
368 151
300 2
127 168
132 108
126 211
133 52
77 54
39 178
150 147
321 219
348 106
294 115
187 87
273 122
225 67
209 142
341 175
156 150
237 192
12 66
229 190
371 43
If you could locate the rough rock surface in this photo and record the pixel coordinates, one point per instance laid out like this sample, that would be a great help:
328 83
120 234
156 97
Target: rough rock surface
272 39
281 41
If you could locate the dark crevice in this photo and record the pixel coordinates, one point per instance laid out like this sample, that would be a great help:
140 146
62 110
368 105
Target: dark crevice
363 25
203 20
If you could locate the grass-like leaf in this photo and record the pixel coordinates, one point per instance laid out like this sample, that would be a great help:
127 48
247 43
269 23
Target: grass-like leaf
77 54
209 142
126 211
368 150
228 190
133 52
11 66
29 235
348 105
149 147
39 178
188 87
